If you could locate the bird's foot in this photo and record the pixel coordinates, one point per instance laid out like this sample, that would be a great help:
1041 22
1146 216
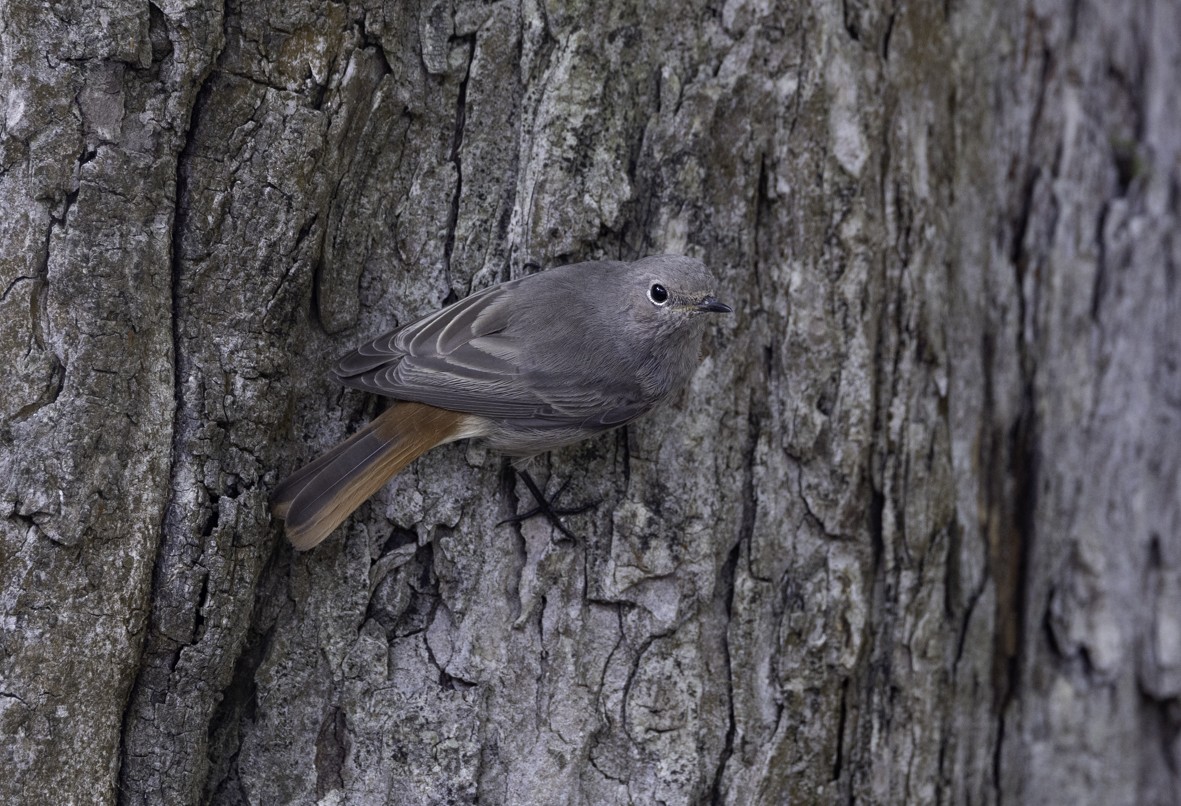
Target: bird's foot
548 507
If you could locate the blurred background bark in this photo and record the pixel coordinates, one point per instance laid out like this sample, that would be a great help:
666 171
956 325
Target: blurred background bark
913 535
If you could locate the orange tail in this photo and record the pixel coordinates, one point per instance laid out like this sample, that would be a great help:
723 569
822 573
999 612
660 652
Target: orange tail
315 499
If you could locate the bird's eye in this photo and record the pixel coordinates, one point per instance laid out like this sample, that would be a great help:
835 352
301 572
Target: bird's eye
658 294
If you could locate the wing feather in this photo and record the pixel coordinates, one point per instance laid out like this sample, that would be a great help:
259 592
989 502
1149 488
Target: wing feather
469 357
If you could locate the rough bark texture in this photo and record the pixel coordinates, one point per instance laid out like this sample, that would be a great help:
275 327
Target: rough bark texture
913 535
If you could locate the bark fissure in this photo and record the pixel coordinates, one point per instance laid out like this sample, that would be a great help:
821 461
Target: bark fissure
457 153
726 575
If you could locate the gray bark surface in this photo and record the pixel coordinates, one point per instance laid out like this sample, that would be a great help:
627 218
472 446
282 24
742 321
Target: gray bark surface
912 536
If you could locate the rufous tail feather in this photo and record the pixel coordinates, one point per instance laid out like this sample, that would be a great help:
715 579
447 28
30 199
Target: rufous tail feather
318 497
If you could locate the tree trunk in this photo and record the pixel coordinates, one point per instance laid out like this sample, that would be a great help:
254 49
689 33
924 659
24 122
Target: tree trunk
913 535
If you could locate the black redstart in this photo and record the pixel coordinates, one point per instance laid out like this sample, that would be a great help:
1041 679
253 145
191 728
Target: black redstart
528 365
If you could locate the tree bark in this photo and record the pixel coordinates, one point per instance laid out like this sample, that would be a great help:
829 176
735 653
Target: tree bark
913 535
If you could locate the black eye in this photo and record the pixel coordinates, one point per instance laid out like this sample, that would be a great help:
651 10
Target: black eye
658 294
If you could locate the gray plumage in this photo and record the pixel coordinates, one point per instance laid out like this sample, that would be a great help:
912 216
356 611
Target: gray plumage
530 365
551 358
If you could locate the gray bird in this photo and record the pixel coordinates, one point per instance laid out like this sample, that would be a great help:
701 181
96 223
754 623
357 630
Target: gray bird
528 365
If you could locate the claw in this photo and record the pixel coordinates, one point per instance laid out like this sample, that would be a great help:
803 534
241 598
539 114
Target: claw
547 507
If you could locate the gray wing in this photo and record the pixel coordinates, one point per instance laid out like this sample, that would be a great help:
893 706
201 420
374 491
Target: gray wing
468 357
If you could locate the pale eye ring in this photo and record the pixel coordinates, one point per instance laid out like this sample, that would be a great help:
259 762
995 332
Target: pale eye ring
658 294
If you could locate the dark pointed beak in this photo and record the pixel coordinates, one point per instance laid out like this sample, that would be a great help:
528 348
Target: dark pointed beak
711 305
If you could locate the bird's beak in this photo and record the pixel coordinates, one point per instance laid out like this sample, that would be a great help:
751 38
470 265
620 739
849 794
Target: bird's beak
711 305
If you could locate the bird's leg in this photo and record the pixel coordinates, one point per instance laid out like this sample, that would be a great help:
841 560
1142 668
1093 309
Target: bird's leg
548 506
